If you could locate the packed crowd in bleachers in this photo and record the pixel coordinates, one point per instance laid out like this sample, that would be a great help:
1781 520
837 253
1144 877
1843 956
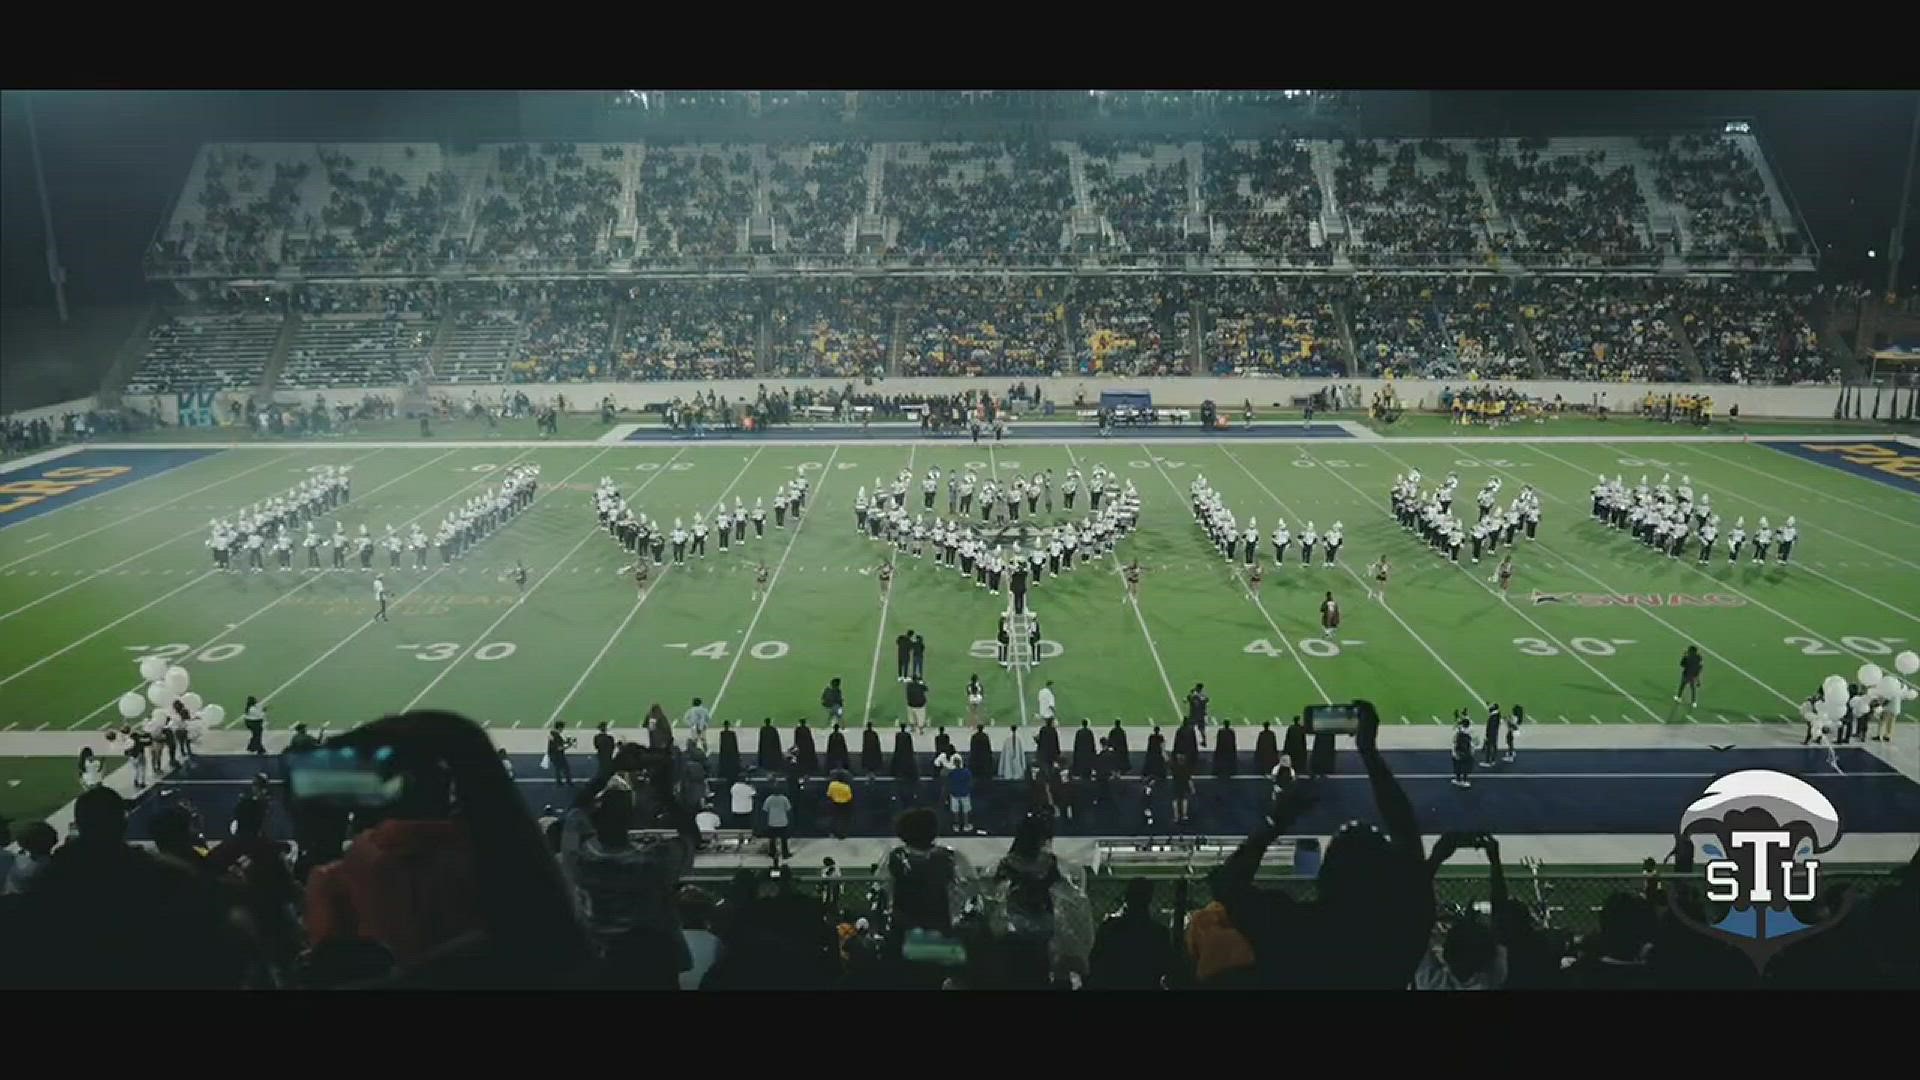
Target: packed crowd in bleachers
551 201
1564 203
1135 326
1603 329
1719 187
816 192
695 200
377 212
979 198
569 334
1142 193
1265 195
687 330
1412 200
1269 326
836 327
1748 332
986 325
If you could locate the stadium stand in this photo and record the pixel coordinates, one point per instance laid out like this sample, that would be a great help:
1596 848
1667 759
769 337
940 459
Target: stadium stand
1263 199
1140 188
1131 326
1410 202
553 204
206 352
1601 329
978 198
1269 326
1749 332
694 200
986 326
480 346
838 327
1566 197
687 330
1725 203
332 351
815 192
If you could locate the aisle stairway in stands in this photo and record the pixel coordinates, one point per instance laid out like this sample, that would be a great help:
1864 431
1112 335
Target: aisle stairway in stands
277 359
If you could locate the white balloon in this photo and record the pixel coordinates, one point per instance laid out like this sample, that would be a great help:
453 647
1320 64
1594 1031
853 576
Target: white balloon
177 679
1891 688
1833 710
214 715
1907 663
161 695
1868 675
153 669
1834 688
194 702
1858 706
132 706
157 720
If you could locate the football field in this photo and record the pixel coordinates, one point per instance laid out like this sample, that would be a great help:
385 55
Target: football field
102 562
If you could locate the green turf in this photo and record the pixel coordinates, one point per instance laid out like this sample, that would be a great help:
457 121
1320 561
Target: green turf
460 640
32 788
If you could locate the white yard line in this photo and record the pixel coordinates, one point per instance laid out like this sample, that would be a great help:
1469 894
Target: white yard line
641 602
1172 698
278 600
1471 576
140 555
1183 500
1676 631
886 602
1811 490
118 522
746 639
1019 677
1475 694
521 599
423 583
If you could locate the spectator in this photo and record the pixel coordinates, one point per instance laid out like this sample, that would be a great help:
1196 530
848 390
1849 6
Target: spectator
1132 951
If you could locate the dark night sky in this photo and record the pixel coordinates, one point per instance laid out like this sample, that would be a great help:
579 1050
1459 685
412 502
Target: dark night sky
115 159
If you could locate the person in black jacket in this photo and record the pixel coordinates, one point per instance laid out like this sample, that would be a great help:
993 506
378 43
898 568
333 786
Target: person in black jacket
1155 766
1047 746
1197 710
906 768
837 757
558 742
980 755
1226 751
1117 738
903 653
872 759
806 757
1186 740
1105 768
1295 746
771 759
603 744
729 752
1266 750
1085 751
1131 951
832 700
942 745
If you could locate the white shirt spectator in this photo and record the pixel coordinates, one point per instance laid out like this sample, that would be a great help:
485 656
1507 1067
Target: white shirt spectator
1046 703
742 794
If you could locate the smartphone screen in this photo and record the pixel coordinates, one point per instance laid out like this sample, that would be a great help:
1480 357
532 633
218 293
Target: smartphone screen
344 777
1332 719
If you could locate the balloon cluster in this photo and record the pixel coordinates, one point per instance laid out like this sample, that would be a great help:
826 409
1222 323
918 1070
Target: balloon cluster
1874 683
167 684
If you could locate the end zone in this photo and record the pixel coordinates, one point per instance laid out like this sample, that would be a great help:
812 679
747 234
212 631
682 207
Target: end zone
58 483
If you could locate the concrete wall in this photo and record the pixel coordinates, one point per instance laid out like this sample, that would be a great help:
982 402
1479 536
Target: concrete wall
1801 402
1770 401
